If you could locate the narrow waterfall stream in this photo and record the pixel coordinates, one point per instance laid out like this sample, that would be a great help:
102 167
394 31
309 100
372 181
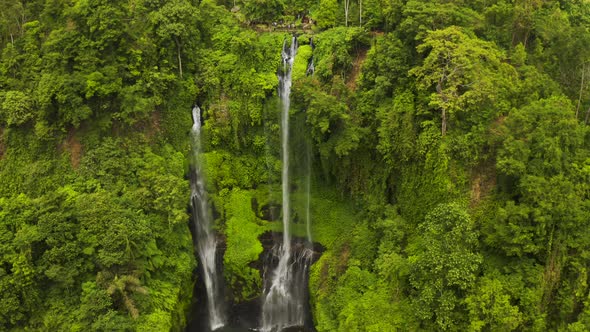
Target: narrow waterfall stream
206 242
310 66
309 72
284 300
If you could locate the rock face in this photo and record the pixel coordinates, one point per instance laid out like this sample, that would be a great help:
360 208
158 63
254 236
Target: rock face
268 239
271 212
245 316
290 310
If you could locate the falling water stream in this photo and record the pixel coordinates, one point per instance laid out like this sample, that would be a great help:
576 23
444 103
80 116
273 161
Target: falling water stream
308 197
284 300
310 66
206 242
310 71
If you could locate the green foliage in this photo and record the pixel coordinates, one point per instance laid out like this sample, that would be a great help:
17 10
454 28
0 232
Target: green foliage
263 10
326 14
100 228
226 171
420 17
483 226
328 117
490 307
465 72
443 264
242 229
385 68
304 53
335 49
397 133
540 139
332 215
16 108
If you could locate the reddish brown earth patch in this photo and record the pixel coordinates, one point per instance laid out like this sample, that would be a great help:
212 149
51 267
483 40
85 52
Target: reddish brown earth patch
483 181
496 127
343 261
154 126
356 69
220 110
333 267
73 146
150 126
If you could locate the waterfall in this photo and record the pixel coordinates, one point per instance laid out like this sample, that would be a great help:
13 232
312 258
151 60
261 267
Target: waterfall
288 56
206 242
310 71
284 300
308 195
310 66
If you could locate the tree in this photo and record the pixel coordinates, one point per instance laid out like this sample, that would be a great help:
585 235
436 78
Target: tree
540 143
263 10
177 20
443 265
543 177
327 13
346 10
524 20
12 19
463 70
121 289
16 108
419 17
490 306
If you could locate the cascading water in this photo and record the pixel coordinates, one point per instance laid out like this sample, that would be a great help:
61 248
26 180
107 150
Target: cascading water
206 241
284 301
310 66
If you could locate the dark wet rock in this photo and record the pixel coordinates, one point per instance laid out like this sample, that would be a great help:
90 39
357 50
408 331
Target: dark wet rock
270 212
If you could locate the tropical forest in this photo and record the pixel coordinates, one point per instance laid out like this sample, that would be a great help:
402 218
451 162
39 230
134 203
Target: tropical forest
294 165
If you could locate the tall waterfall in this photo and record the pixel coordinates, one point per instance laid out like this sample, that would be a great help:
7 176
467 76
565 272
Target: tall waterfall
206 241
284 300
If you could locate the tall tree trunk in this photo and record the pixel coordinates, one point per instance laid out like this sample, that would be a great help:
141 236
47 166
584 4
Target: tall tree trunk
581 89
360 13
179 57
346 7
443 128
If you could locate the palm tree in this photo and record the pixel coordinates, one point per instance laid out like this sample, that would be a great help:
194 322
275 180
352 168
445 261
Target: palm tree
124 286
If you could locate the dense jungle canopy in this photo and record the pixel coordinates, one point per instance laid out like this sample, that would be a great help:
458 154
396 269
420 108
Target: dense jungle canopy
450 158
